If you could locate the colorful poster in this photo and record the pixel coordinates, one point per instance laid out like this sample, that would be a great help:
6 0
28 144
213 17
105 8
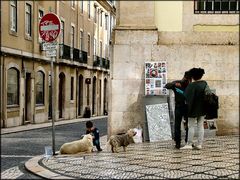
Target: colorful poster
155 78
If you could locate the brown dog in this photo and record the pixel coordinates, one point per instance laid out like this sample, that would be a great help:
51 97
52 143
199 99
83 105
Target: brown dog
122 140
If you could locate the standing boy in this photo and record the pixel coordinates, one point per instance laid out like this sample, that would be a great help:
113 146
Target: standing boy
178 88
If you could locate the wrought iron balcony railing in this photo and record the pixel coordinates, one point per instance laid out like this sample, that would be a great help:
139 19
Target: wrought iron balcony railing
66 52
100 62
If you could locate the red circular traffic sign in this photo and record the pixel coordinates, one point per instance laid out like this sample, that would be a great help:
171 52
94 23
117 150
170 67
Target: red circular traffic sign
49 27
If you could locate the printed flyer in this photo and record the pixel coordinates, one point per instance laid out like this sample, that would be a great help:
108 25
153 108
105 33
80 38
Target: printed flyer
155 78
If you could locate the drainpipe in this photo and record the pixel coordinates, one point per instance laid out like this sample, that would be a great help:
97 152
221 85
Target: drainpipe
1 72
1 118
33 69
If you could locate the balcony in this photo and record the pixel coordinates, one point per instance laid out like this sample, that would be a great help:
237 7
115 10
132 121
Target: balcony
72 54
100 62
65 51
84 57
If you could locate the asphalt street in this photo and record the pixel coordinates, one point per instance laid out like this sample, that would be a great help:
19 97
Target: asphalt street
17 148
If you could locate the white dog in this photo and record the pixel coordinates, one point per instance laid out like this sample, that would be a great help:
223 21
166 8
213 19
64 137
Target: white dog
83 145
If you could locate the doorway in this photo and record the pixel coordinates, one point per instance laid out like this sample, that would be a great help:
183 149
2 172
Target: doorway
94 95
105 111
27 107
61 95
80 95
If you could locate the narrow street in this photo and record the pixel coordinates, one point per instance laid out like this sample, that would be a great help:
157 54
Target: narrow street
17 148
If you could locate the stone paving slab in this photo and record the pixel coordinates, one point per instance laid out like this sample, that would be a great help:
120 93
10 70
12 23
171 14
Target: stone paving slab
219 159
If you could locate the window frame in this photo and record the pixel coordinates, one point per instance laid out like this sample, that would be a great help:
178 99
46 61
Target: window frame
81 6
198 9
72 36
101 18
89 9
39 19
61 38
100 49
94 47
43 88
17 91
89 45
73 4
13 17
28 20
95 14
106 21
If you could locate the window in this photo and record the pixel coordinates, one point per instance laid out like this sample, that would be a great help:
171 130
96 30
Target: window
62 33
28 20
73 3
95 14
216 6
89 44
13 16
72 86
81 40
61 39
100 46
106 22
101 18
89 13
40 88
40 15
12 87
81 6
72 41
94 47
106 51
81 44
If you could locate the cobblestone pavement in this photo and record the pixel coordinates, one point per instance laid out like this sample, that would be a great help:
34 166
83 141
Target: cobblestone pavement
219 159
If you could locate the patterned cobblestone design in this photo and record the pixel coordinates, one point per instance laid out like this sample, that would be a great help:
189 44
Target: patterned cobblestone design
219 159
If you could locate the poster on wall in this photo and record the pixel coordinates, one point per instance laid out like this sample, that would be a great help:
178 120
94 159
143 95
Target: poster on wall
155 78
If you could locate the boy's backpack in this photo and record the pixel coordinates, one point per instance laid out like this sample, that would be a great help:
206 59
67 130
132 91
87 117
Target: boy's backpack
210 104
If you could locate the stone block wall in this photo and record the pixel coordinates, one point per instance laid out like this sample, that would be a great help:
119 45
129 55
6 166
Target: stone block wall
133 48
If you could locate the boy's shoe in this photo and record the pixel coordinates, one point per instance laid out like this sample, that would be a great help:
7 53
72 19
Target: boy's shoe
198 147
187 146
177 146
99 149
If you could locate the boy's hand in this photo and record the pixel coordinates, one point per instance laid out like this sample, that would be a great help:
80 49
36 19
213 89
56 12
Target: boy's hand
178 84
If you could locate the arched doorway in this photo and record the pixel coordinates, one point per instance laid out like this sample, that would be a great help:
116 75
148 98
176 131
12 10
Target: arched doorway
61 95
94 96
80 95
105 105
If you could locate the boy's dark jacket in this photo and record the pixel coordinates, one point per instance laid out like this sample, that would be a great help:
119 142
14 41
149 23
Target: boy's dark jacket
179 98
95 133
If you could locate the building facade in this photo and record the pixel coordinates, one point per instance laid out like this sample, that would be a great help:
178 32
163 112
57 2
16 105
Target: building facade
81 67
185 34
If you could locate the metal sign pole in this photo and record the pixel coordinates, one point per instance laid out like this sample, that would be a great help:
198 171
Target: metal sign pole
49 29
53 109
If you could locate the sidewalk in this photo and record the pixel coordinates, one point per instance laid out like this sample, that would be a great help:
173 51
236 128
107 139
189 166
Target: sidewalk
48 124
218 159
